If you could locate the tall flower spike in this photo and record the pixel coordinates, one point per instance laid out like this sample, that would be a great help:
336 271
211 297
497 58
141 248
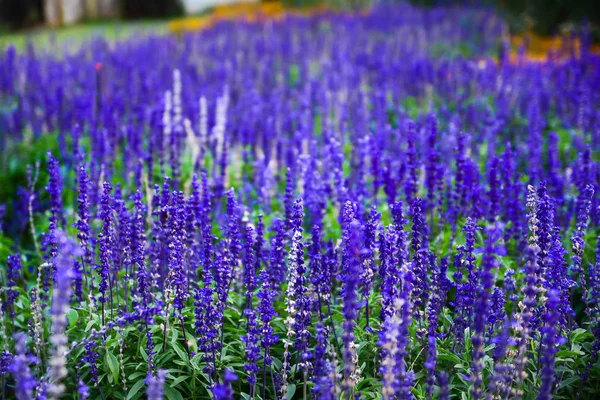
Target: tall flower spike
25 383
223 391
350 276
577 240
13 270
482 306
105 238
549 341
155 385
83 220
418 244
61 296
368 259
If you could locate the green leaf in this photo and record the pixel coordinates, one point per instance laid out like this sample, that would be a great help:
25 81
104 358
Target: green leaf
135 388
179 380
113 364
73 317
172 394
291 390
180 352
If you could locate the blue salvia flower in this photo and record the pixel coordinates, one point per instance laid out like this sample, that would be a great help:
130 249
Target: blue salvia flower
61 296
6 359
482 306
155 385
223 391
25 383
466 292
460 181
433 169
494 191
57 219
444 385
526 313
578 243
91 357
386 274
500 380
405 376
83 220
322 369
368 259
252 349
250 281
419 261
497 312
277 254
350 277
320 353
319 273
206 221
83 390
288 198
123 252
138 249
389 338
560 278
13 270
299 305
266 311
411 182
436 301
232 234
549 341
105 239
54 188
206 317
177 272
259 243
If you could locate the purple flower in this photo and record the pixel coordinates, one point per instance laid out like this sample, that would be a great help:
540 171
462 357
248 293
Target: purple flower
418 245
61 297
297 290
54 189
177 272
91 357
83 390
482 305
25 383
105 238
83 217
252 348
13 270
250 282
223 391
368 259
549 341
350 277
411 182
577 240
6 359
155 385
288 198
138 249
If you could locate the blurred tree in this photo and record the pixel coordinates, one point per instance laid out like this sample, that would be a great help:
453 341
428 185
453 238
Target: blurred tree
151 9
17 14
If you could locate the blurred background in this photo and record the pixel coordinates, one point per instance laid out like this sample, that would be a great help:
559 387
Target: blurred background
544 17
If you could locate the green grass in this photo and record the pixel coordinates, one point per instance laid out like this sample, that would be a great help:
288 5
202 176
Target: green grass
110 30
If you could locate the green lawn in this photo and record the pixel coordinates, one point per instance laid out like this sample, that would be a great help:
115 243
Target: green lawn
111 30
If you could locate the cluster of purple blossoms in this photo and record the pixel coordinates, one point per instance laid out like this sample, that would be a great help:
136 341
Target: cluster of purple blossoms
427 255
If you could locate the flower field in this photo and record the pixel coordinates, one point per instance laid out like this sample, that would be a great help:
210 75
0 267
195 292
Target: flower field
344 206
